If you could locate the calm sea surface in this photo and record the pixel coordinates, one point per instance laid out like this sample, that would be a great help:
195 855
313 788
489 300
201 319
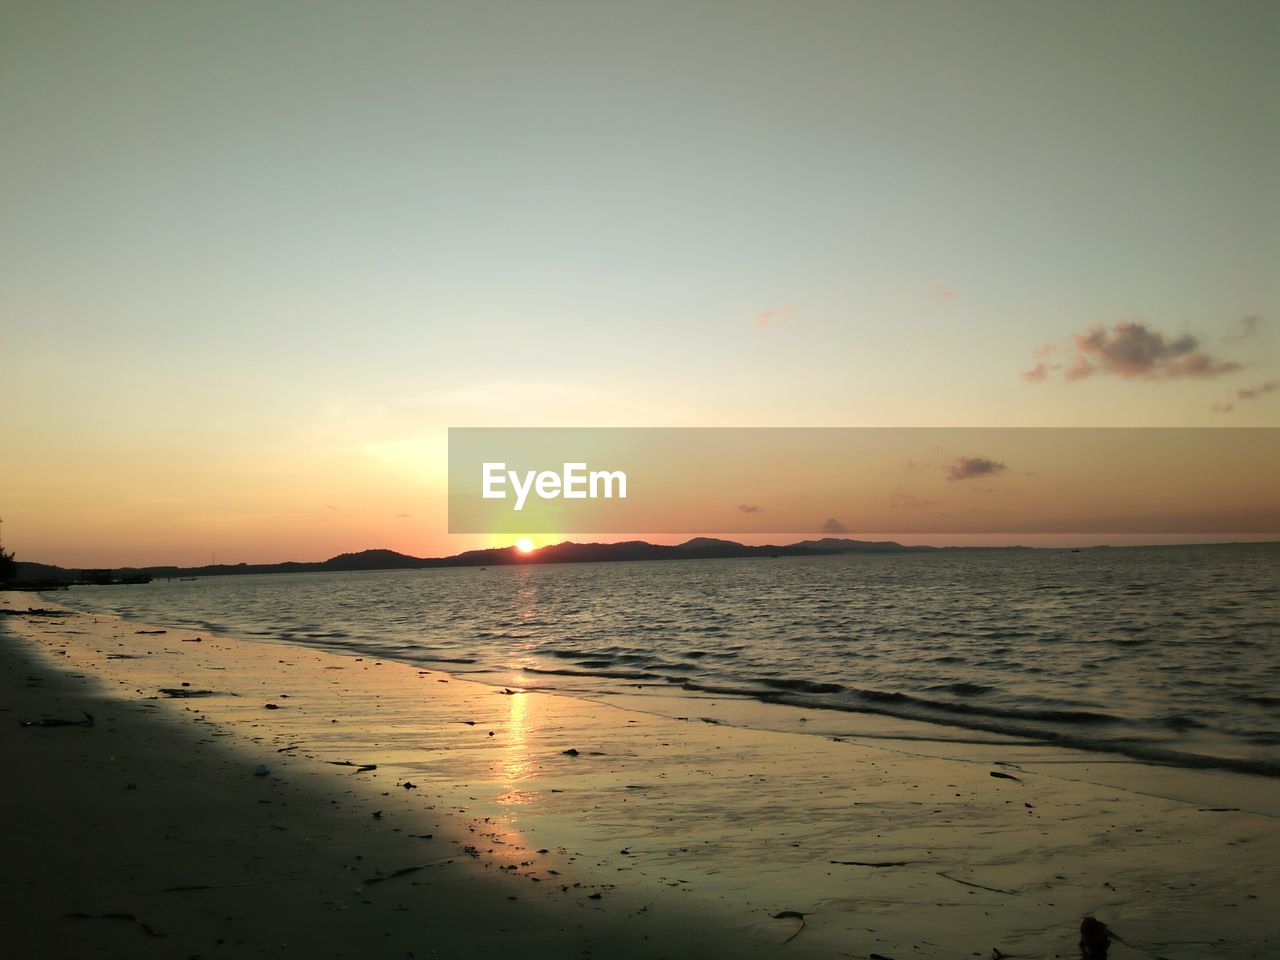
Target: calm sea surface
1169 654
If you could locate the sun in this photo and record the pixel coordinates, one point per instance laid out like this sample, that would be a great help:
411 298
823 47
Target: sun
524 545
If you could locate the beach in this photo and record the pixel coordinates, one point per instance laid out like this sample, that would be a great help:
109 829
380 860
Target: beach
640 481
236 798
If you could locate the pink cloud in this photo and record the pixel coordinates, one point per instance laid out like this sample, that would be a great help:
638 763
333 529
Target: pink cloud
1079 369
1036 374
774 316
1253 393
1247 393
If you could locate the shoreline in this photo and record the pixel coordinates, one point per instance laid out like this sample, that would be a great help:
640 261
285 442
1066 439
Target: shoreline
888 846
149 833
891 712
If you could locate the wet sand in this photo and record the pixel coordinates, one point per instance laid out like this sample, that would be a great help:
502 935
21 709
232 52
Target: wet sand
499 820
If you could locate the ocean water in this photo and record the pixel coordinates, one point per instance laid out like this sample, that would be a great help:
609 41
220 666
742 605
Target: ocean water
1166 654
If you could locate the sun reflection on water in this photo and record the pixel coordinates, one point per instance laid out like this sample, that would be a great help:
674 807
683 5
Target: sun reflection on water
516 763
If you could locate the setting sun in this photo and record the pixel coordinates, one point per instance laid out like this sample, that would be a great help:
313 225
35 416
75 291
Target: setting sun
524 545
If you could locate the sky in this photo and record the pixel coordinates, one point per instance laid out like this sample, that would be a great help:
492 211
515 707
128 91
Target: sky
255 259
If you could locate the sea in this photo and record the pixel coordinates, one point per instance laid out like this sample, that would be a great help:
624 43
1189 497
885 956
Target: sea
1169 655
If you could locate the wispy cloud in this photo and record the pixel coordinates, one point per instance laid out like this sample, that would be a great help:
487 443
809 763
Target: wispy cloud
941 291
1036 374
903 500
833 525
1247 393
966 468
1244 328
749 508
775 316
1253 393
1133 351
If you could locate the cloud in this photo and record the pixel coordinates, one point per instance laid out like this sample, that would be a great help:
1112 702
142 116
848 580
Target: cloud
1244 328
1247 393
1079 369
966 468
749 508
941 291
775 316
902 500
1036 374
1133 351
403 516
1253 393
833 525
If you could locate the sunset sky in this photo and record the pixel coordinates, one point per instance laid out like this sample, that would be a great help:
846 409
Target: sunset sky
256 258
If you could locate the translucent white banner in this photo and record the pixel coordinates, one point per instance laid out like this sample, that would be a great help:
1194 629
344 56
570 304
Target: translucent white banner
836 480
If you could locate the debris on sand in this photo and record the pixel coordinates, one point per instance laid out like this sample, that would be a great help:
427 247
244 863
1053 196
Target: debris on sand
977 886
360 767
791 915
146 928
1095 939
187 692
59 722
403 871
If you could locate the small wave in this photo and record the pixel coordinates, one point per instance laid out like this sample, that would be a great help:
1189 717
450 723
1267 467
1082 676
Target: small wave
1178 721
607 674
1025 725
808 686
963 689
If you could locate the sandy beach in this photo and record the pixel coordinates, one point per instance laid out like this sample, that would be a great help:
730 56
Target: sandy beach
407 813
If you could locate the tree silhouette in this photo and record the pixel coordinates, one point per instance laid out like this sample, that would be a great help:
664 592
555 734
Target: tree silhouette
8 566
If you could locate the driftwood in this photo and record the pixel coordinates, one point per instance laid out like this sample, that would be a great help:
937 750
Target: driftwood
58 722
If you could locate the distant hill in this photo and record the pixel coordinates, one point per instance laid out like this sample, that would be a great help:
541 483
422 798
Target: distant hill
39 571
699 548
370 560
33 575
845 545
